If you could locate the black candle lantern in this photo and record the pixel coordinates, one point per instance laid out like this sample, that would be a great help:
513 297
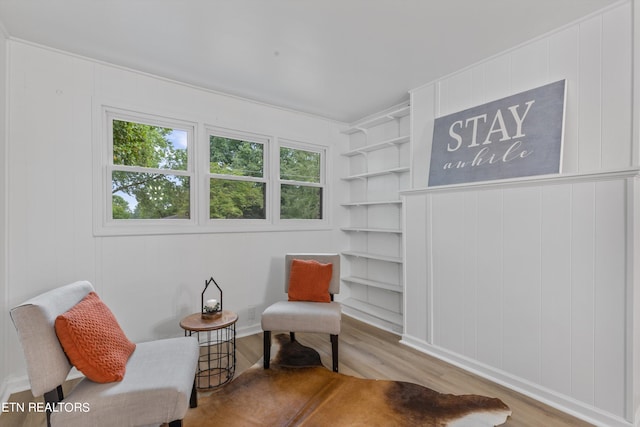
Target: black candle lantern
210 308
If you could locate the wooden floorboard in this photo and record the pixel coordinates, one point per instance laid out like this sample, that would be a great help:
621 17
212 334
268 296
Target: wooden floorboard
369 352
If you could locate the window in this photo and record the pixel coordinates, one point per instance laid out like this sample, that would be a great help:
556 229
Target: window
238 186
150 171
301 183
156 176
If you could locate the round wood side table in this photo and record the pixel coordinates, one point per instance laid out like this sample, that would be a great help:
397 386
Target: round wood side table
217 340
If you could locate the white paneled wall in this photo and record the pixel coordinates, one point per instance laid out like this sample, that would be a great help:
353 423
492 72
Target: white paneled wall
4 320
149 281
527 281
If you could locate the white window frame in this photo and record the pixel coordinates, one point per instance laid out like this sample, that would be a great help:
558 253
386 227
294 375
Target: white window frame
297 145
198 171
266 155
109 225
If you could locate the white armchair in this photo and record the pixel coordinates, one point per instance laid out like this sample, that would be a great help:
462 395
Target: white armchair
158 386
305 316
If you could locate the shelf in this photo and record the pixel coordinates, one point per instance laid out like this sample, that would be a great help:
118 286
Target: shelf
365 175
373 283
379 146
367 255
372 230
373 310
392 114
372 203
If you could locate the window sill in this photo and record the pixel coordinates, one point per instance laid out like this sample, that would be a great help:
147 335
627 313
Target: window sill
155 230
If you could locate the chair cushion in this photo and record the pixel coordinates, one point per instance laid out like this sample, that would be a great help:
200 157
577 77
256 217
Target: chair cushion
93 340
309 281
302 316
156 389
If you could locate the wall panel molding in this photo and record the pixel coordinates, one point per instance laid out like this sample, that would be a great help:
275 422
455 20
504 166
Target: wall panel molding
530 181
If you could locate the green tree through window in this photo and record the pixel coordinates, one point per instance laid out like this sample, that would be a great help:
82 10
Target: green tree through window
238 189
249 176
300 189
142 184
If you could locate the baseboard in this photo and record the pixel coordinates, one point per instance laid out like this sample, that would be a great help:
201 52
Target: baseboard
17 384
245 331
370 320
4 392
13 385
551 398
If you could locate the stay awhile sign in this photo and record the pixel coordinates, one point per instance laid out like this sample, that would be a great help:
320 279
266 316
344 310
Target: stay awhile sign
520 135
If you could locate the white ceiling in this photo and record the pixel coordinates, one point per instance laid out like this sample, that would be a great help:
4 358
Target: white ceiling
341 59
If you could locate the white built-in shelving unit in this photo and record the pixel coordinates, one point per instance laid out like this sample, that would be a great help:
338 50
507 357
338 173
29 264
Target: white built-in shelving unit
378 157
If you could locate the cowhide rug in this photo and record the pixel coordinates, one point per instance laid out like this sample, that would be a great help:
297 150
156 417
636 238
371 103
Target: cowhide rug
298 390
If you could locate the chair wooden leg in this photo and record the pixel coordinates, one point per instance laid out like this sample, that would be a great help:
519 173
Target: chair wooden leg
292 335
193 401
266 348
334 352
52 397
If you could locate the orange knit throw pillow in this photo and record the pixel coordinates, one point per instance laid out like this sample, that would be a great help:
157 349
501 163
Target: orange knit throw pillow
93 340
309 281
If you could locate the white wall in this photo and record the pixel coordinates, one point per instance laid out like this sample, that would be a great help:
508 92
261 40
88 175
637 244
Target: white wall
4 320
149 282
529 282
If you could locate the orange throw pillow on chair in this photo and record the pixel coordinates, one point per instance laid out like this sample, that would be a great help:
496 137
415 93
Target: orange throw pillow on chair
309 281
93 340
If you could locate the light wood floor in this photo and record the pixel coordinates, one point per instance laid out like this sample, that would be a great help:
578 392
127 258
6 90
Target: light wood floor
368 352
